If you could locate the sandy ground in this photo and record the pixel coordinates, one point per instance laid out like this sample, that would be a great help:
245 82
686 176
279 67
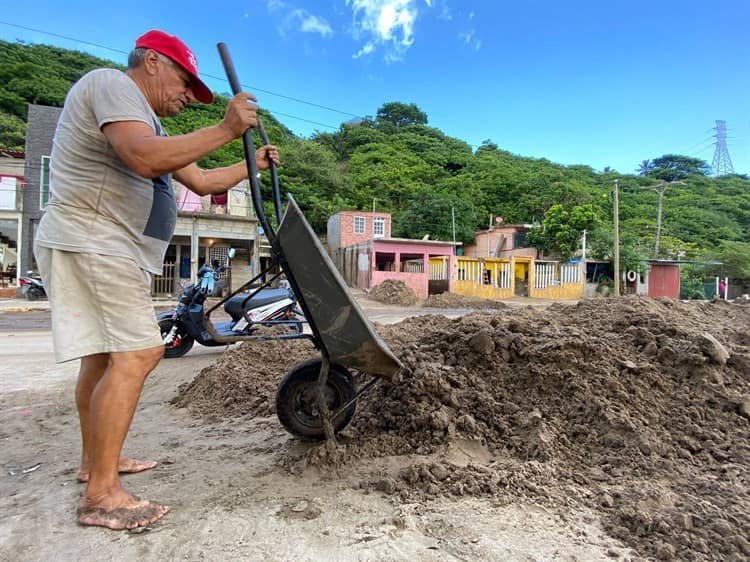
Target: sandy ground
230 496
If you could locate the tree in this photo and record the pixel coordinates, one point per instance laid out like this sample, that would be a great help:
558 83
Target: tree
310 173
736 259
400 114
561 230
12 132
633 252
672 167
431 213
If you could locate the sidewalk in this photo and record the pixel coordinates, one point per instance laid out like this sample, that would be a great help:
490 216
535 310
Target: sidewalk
23 305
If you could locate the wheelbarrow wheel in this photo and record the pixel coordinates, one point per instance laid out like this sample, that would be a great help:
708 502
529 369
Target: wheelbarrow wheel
297 403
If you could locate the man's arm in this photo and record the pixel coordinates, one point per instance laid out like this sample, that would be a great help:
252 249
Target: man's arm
218 180
151 156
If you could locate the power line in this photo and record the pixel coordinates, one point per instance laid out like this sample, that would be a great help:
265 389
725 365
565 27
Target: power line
222 79
249 87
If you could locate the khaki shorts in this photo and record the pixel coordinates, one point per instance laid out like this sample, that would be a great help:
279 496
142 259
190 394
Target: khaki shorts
100 304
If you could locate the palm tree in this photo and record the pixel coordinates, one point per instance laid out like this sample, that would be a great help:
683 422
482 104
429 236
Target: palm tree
644 168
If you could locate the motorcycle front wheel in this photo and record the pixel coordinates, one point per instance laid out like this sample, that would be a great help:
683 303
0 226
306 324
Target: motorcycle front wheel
297 402
181 343
33 294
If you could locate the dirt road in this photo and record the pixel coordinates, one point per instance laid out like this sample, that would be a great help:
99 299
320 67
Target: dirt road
230 494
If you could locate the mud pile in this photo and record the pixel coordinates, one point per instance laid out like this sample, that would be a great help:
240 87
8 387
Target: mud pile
452 300
635 407
393 292
244 379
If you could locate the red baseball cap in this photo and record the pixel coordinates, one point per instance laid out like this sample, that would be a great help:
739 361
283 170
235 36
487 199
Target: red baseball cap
171 46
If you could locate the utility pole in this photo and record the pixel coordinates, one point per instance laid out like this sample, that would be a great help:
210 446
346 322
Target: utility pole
489 235
616 209
583 243
660 188
453 222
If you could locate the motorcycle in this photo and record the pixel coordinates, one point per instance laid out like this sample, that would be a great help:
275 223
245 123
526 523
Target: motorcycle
32 287
248 312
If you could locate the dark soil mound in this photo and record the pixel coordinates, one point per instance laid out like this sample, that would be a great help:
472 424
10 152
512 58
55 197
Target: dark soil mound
244 379
636 407
452 300
393 292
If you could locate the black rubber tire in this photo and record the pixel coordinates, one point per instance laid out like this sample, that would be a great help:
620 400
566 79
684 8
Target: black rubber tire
185 343
33 294
296 405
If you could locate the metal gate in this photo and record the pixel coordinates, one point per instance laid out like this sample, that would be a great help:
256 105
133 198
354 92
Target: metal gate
162 285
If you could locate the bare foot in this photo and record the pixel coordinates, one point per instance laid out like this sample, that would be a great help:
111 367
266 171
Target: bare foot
126 466
134 512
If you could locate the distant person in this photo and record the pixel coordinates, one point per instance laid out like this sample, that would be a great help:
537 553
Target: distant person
722 289
104 233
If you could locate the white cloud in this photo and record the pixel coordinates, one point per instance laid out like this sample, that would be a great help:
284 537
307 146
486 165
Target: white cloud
366 50
274 5
445 13
386 23
471 40
310 23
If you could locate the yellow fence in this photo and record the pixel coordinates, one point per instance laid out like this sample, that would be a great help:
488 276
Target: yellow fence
493 278
490 278
553 280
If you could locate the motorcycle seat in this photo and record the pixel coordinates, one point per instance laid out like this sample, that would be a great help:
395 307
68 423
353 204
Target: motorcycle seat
239 303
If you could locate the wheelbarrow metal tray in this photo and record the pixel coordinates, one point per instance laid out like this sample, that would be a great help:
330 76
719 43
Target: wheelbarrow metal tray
345 332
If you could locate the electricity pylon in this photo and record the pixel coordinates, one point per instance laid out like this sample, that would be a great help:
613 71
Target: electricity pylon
722 163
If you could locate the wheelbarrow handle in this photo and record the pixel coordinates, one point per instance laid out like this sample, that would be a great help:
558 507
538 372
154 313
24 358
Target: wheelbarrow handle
274 174
248 142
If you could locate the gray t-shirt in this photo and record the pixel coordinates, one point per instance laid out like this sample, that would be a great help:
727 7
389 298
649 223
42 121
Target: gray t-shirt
97 203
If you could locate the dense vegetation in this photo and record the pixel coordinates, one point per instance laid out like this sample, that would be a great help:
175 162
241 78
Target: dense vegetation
395 161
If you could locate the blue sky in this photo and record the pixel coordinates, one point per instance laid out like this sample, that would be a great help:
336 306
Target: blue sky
601 83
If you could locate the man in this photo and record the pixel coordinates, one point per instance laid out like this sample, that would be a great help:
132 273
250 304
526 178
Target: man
105 231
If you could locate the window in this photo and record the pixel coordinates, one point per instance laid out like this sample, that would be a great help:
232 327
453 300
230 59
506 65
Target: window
519 240
44 183
378 228
359 225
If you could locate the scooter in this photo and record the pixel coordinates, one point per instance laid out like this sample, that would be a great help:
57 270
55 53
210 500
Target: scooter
32 287
248 312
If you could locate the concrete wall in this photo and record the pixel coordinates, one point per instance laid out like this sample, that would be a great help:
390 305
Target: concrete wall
418 282
498 243
40 130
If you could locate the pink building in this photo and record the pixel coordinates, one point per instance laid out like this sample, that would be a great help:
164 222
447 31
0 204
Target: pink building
361 246
425 266
348 228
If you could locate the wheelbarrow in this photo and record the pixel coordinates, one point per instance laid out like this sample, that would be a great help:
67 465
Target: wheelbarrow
316 398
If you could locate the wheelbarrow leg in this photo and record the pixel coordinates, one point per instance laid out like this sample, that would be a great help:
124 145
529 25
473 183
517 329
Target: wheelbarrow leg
325 413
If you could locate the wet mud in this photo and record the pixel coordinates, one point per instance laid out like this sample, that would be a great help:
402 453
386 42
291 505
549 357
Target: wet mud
636 408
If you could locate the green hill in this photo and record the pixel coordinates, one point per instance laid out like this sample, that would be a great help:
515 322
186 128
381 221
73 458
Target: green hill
397 162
